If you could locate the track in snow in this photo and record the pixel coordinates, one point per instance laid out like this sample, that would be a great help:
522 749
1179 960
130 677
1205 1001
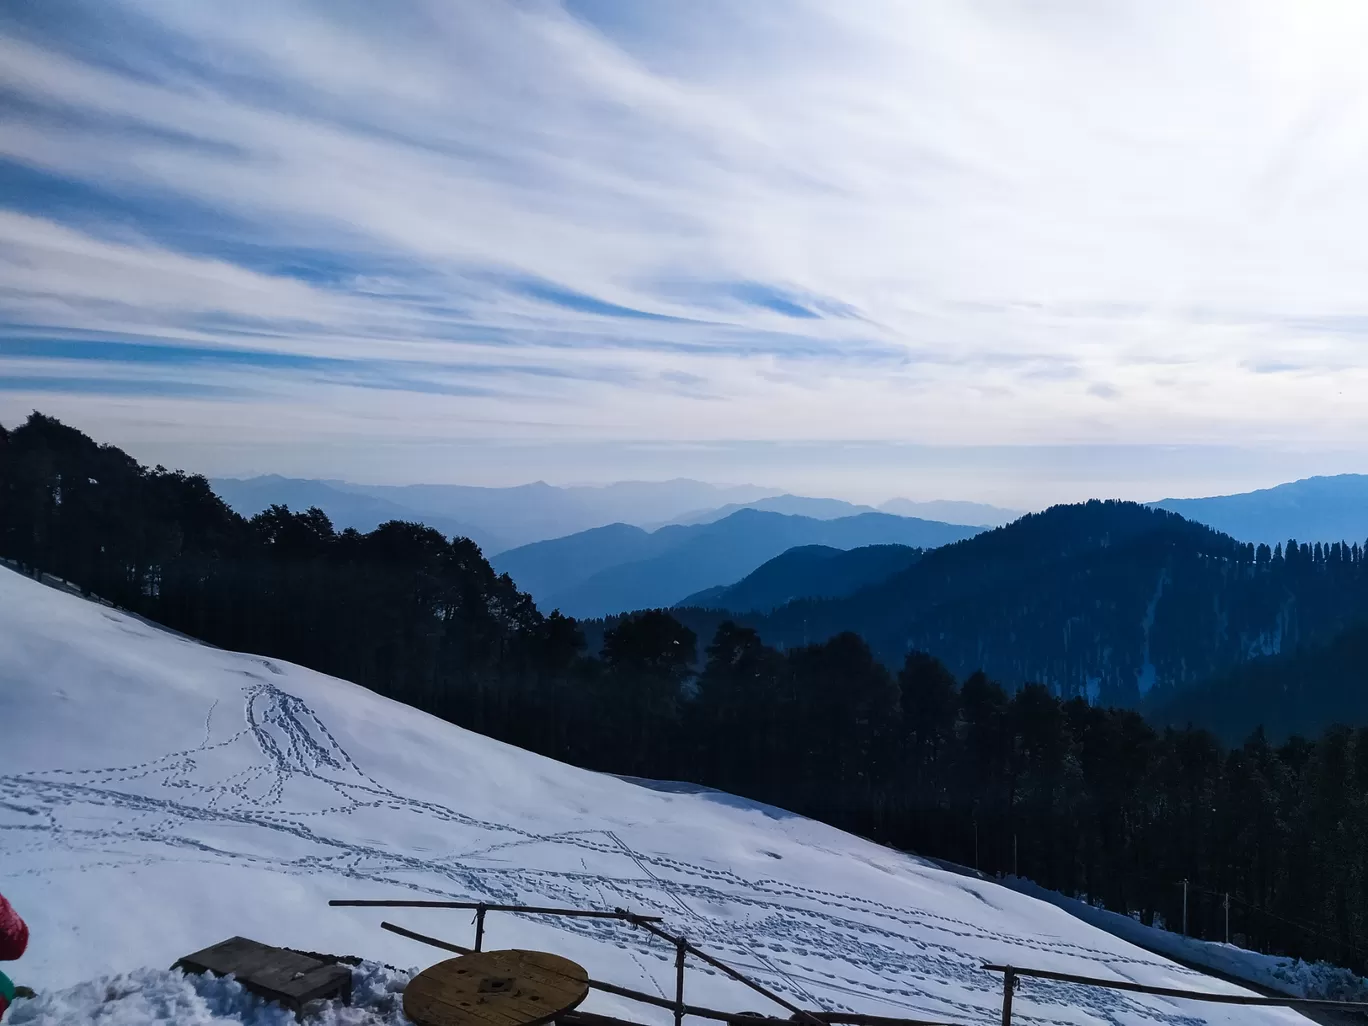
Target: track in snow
267 785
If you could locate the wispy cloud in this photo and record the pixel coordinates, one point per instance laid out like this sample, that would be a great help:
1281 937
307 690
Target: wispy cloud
958 224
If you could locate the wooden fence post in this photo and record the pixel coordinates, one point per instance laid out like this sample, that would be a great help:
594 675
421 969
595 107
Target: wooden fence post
479 928
681 949
1008 985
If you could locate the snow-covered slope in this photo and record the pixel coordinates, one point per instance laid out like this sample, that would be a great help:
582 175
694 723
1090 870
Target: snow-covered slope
157 796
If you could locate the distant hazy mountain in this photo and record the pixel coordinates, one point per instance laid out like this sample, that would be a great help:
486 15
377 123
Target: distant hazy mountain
496 518
1313 509
973 514
790 505
952 512
547 568
345 509
808 571
618 568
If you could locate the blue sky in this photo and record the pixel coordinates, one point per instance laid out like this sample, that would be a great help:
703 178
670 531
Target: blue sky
1018 253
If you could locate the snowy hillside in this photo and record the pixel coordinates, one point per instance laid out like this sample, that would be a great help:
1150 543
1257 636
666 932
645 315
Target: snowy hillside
157 796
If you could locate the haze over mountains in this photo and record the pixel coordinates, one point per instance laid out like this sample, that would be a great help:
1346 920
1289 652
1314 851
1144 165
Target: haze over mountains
973 514
1325 509
494 518
619 568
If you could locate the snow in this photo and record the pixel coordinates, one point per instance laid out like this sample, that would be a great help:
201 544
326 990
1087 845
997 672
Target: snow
147 996
1289 976
158 796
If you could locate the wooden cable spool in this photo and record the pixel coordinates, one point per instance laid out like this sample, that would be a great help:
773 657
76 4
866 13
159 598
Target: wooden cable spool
496 988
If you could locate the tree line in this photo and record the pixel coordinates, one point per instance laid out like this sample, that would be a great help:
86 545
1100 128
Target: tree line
1088 800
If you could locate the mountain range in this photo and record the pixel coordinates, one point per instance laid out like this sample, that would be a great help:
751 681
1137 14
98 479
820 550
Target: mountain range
619 567
972 514
496 519
1324 509
1102 599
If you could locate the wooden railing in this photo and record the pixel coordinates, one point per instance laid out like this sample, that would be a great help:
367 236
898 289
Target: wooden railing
1011 972
683 948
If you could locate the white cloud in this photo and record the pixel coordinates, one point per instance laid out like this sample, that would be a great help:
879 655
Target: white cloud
1064 222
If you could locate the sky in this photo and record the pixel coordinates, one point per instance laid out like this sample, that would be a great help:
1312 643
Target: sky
1018 253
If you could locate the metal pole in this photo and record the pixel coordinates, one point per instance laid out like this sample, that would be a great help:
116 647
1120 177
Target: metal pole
681 949
1008 985
479 928
1227 912
1185 906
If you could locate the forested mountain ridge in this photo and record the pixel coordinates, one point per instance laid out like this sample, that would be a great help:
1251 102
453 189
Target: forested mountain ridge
1102 599
1296 692
807 571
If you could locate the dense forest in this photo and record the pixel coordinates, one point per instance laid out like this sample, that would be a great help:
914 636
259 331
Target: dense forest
1101 599
1086 799
1297 692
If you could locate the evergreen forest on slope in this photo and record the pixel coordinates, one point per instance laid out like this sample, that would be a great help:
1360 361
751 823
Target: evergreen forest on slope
901 743
1106 600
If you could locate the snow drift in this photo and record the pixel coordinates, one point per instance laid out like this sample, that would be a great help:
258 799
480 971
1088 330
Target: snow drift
158 796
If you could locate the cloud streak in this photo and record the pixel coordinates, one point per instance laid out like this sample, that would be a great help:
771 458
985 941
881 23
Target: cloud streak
968 225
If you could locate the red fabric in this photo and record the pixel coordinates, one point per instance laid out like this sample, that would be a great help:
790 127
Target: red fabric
13 932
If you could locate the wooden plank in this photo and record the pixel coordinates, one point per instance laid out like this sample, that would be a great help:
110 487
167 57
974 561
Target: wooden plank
275 974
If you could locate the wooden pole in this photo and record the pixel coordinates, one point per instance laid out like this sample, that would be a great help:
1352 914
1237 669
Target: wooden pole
680 952
1008 985
532 910
479 928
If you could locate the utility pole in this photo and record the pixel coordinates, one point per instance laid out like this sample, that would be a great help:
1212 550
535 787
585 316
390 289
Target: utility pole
976 845
1185 883
1014 856
1227 912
